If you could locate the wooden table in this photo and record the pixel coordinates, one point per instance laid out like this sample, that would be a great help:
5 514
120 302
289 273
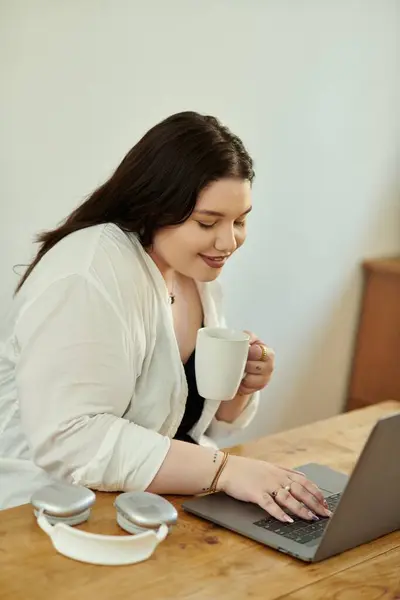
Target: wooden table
201 561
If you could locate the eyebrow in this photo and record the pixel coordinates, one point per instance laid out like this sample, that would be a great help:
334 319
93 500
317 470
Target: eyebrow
213 213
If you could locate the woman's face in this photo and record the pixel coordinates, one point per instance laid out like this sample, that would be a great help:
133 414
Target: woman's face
199 247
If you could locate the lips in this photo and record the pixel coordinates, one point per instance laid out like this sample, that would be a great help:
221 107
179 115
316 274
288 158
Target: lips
215 262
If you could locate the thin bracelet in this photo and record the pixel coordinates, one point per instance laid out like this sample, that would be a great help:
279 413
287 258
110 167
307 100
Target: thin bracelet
213 486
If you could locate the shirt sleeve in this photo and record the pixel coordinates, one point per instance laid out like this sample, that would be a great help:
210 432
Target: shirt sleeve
75 379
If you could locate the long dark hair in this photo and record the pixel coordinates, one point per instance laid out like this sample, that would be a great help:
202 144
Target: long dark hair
157 183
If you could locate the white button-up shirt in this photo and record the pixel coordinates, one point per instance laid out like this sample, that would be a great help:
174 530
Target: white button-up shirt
92 386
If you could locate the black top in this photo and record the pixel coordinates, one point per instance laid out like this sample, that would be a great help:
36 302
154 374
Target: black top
194 403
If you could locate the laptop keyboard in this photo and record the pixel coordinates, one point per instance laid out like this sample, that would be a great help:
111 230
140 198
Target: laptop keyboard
300 531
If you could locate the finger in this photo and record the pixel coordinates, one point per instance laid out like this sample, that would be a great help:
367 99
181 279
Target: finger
258 351
258 367
285 498
293 471
255 352
251 387
299 492
312 489
268 504
245 391
253 382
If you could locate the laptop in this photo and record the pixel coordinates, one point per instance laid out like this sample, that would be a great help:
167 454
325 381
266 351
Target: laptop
365 505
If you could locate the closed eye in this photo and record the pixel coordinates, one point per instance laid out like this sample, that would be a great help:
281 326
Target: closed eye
206 225
210 225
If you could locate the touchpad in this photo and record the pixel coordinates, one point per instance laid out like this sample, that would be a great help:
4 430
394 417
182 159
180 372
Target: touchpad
327 479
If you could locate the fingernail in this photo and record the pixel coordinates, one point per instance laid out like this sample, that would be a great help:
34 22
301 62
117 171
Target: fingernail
288 519
325 504
328 513
313 516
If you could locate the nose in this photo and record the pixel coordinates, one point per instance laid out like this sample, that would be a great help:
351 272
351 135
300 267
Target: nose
226 241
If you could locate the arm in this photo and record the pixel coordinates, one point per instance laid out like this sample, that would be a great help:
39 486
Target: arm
75 378
187 469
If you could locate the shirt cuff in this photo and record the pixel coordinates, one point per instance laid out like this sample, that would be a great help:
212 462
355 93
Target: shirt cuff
128 459
218 429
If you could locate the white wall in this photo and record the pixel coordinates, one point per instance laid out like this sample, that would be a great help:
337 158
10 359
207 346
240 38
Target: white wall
312 88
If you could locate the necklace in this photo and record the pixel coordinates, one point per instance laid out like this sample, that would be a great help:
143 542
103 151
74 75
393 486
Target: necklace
171 294
173 287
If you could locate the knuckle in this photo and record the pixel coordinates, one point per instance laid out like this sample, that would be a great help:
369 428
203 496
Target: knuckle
307 497
310 500
316 492
309 487
285 495
267 500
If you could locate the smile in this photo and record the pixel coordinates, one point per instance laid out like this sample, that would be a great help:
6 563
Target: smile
216 262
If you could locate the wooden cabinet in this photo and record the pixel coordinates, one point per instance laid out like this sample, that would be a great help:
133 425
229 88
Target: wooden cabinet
376 364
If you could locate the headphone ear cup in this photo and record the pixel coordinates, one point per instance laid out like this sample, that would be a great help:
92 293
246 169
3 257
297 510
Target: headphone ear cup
138 512
63 503
127 525
122 520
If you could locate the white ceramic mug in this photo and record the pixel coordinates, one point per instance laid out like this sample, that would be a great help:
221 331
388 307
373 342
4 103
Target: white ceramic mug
220 360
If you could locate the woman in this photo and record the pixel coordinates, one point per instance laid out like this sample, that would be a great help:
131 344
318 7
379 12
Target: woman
97 373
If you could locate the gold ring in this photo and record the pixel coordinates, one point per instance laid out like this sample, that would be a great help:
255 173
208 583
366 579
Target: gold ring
283 487
264 353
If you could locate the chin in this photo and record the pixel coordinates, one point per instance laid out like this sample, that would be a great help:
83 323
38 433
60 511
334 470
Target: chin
201 272
207 277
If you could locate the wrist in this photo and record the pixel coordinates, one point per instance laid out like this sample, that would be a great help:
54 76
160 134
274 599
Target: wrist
224 478
243 398
229 410
214 484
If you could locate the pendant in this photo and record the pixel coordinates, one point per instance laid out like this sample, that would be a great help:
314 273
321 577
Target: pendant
171 298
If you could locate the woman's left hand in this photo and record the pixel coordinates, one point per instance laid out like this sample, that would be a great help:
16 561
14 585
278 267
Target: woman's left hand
259 367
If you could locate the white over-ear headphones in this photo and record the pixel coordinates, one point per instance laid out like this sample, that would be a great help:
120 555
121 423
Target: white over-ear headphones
59 506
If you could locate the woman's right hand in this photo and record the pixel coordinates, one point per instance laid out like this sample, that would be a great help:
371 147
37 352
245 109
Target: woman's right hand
273 488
